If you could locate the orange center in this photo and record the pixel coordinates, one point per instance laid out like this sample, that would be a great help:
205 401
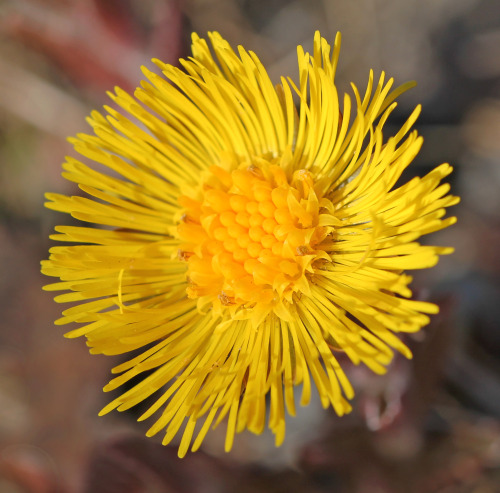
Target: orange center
251 237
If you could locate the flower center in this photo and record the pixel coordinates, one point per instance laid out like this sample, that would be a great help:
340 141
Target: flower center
251 237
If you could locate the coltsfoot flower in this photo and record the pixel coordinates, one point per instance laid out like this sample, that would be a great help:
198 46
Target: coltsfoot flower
241 235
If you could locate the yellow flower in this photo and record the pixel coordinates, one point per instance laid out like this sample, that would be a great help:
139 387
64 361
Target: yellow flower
245 241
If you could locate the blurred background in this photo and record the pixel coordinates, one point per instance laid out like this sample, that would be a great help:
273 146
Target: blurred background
430 425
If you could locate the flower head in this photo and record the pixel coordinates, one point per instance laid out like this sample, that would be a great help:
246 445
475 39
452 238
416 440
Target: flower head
246 240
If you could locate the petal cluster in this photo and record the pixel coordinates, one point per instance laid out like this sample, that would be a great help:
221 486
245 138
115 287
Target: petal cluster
240 235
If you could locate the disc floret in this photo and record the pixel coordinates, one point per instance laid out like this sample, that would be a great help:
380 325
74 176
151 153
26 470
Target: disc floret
252 237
